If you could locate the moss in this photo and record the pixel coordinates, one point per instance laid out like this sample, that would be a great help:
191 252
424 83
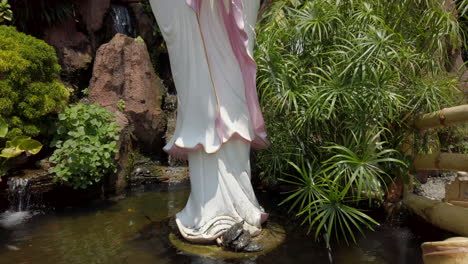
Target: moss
29 82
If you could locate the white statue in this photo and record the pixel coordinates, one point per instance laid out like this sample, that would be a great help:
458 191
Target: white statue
210 44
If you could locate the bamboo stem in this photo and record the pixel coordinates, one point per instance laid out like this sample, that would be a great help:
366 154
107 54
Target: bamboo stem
445 117
443 215
441 161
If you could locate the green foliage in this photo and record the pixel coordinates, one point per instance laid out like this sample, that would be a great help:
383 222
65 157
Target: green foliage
86 142
5 12
322 202
139 39
15 147
347 78
121 105
32 16
454 139
29 84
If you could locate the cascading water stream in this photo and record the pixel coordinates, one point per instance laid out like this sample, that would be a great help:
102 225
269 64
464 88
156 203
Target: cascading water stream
18 194
19 197
123 21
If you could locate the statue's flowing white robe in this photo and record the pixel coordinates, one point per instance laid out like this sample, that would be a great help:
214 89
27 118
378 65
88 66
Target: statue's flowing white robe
210 44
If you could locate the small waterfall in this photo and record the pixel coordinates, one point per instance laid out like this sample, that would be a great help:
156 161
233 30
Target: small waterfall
18 194
123 21
20 200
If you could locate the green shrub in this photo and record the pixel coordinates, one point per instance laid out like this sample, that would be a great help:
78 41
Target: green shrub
86 144
29 85
340 83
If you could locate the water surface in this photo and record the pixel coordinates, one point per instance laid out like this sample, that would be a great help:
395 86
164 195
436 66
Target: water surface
134 230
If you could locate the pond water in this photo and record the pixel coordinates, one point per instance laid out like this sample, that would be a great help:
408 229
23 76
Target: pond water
134 230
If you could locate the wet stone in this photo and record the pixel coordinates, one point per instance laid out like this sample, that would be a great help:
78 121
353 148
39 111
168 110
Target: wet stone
271 237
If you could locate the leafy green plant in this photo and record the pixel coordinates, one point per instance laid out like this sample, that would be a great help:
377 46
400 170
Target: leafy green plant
86 142
29 82
5 12
325 205
121 105
32 16
15 147
328 191
339 83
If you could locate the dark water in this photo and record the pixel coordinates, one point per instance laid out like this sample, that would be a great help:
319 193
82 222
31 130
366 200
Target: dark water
133 231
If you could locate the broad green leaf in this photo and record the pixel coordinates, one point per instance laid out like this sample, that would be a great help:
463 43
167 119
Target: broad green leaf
30 145
3 128
9 153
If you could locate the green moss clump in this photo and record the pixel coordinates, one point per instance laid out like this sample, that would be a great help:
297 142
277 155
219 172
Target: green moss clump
29 82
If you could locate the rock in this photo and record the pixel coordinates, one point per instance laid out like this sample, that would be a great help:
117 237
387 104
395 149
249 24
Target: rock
93 13
254 247
144 23
423 175
451 251
238 239
395 190
270 238
124 81
241 242
73 47
232 234
435 187
12 248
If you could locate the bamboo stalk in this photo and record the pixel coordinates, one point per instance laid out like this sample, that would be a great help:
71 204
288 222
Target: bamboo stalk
443 215
441 161
445 117
407 149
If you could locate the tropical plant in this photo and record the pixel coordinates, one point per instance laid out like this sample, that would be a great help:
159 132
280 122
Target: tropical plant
86 142
5 12
15 147
29 82
32 16
346 78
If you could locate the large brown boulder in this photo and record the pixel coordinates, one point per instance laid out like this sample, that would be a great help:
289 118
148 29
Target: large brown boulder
124 81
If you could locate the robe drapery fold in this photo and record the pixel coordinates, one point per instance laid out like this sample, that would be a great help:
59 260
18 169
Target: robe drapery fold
210 45
231 16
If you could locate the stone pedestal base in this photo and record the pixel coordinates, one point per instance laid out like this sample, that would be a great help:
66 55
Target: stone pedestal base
271 237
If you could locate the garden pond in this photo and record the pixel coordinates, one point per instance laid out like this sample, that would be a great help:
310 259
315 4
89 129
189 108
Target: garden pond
135 230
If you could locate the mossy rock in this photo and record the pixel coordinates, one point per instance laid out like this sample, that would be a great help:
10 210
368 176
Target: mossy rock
271 237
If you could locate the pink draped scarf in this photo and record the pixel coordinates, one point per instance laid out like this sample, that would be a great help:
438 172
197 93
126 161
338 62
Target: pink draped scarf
235 28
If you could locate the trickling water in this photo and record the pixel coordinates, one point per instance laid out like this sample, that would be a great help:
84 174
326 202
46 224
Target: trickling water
123 21
18 194
20 200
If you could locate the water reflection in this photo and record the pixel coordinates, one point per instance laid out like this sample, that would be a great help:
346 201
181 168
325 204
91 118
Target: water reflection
134 230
